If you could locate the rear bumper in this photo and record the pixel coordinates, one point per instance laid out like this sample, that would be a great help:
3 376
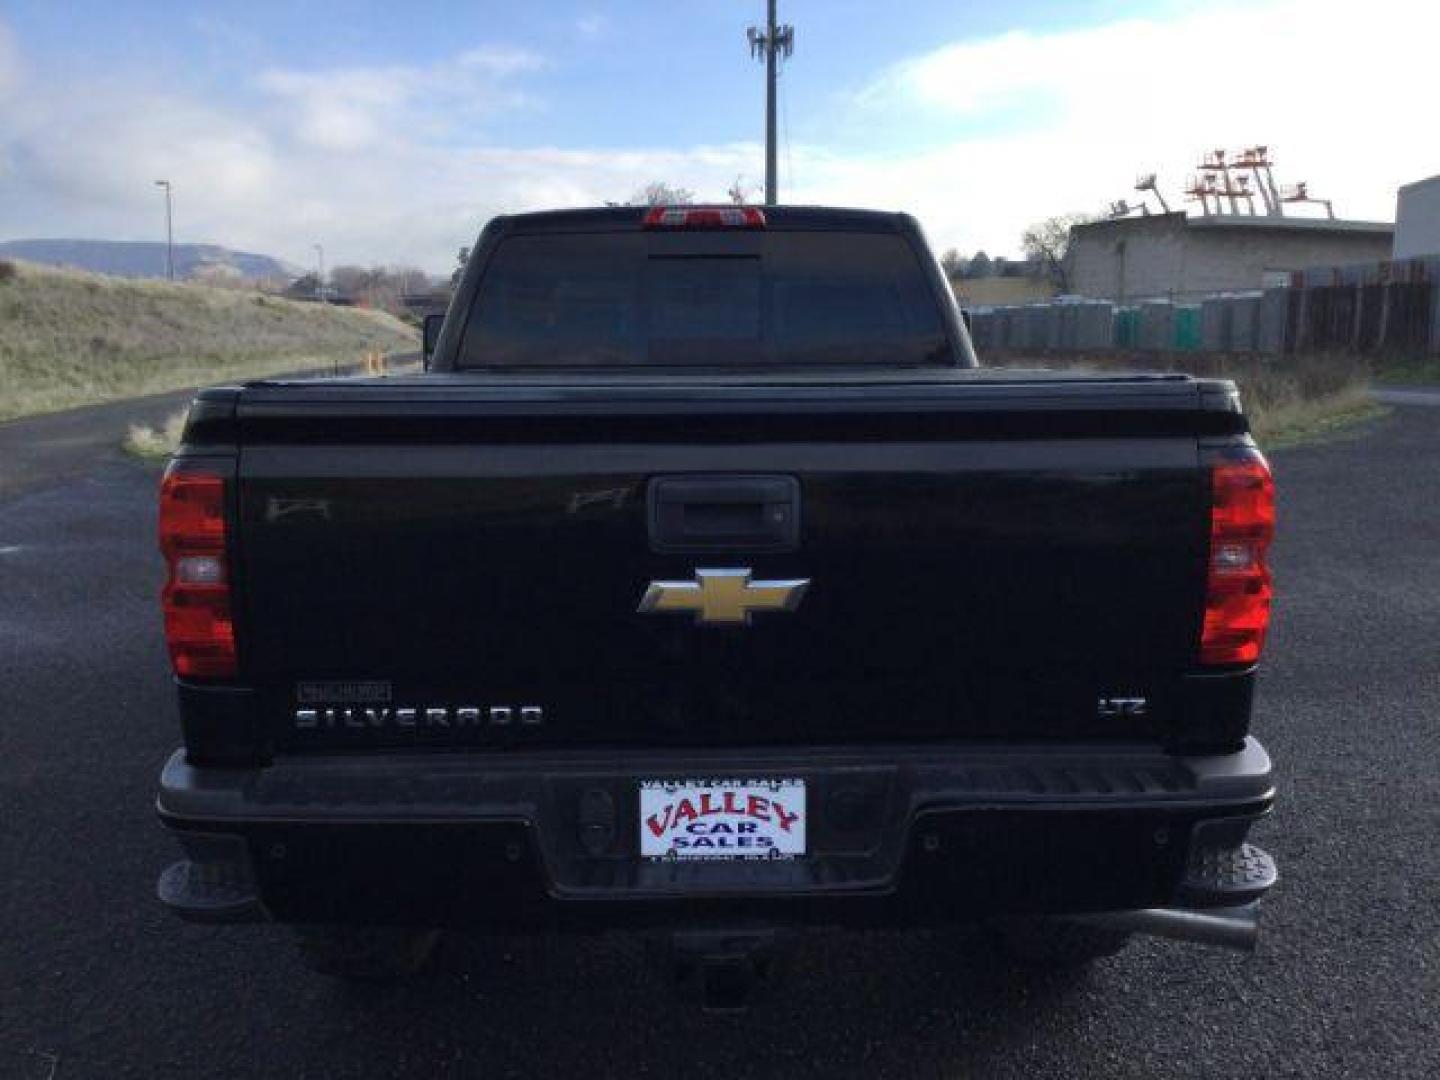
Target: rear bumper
897 836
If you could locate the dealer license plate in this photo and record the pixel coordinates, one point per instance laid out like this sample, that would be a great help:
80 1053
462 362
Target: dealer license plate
722 819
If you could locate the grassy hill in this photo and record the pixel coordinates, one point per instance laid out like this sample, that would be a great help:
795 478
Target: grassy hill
70 338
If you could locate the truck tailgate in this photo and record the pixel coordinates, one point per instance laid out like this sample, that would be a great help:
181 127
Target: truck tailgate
985 558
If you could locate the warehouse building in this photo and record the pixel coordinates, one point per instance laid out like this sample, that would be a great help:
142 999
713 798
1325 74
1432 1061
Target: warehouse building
1181 257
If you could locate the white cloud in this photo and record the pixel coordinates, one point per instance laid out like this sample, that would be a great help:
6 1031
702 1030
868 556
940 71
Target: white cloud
349 109
340 110
502 60
392 164
343 171
378 164
591 25
115 144
1339 93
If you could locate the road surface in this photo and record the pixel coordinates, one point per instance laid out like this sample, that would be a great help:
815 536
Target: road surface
1412 395
39 450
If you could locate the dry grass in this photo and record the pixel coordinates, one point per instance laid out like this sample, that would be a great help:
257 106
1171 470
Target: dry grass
69 338
1409 370
1313 420
1288 399
145 441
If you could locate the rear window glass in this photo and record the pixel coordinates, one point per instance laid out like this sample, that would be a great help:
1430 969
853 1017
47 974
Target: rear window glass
690 299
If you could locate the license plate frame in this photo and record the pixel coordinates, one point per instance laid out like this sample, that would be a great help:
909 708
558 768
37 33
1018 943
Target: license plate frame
725 819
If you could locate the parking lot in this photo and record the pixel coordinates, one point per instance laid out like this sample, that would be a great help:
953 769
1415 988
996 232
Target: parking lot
99 982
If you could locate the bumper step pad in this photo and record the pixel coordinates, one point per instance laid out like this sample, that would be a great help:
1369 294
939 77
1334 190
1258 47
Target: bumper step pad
1227 876
214 885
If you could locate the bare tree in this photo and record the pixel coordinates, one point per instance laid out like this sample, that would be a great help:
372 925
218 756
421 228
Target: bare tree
1048 242
740 193
351 282
460 260
953 264
409 280
659 193
382 287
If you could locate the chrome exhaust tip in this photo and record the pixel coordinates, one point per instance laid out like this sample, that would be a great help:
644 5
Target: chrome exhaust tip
1227 927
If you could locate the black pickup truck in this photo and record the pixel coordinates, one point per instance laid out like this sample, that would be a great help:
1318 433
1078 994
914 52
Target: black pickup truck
705 585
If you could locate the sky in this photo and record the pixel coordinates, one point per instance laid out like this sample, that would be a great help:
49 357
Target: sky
389 133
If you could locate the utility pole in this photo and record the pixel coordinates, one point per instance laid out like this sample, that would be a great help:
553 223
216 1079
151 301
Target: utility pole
774 42
169 232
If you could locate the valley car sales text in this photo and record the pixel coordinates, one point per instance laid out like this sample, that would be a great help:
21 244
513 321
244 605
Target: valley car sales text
693 829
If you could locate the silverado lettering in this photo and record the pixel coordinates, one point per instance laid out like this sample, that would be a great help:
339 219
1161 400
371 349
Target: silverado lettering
406 716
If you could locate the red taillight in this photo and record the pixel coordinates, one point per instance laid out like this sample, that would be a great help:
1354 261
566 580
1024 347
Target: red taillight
196 598
705 217
1237 588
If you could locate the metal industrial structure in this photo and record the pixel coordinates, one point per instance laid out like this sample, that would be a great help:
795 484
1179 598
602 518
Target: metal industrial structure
770 44
1227 183
1145 183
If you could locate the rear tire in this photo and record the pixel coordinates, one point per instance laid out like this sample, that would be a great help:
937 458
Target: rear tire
366 953
1056 944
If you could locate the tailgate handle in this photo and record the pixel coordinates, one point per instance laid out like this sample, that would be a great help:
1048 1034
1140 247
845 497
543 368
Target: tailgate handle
724 513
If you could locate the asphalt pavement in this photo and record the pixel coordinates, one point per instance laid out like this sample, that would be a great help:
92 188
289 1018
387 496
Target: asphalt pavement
1413 395
36 451
97 981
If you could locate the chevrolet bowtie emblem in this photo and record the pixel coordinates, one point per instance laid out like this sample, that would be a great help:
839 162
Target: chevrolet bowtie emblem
722 597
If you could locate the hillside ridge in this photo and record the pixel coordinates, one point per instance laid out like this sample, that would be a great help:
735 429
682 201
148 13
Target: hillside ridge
146 258
74 338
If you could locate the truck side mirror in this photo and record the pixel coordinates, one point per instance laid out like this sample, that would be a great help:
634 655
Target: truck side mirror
429 335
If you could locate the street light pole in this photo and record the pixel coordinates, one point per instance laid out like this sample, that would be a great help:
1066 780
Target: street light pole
169 232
